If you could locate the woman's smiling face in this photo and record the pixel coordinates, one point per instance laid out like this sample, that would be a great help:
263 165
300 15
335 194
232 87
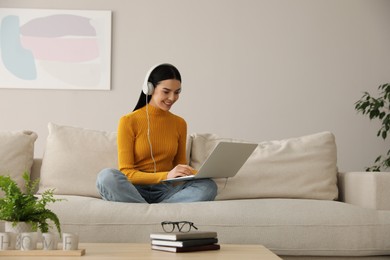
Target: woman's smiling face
165 94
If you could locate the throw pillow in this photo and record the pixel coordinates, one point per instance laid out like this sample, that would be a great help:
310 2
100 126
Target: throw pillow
73 157
303 167
16 154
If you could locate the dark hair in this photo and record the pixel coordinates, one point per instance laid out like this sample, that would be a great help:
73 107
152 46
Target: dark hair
161 72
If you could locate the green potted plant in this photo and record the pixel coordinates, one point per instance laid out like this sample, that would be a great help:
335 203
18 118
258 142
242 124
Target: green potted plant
17 206
378 108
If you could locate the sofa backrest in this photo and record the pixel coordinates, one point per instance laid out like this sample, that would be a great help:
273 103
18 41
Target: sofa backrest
36 168
302 167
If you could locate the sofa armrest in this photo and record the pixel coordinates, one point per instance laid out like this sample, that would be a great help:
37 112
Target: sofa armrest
365 189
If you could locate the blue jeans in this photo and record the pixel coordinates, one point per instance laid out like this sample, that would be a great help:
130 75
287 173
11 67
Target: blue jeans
113 185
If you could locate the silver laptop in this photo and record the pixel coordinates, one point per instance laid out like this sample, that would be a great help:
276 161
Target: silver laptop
225 161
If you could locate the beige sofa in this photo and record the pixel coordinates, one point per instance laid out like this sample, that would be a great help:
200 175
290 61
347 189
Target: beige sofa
289 196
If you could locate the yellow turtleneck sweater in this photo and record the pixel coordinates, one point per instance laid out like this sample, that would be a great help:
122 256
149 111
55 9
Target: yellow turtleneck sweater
168 135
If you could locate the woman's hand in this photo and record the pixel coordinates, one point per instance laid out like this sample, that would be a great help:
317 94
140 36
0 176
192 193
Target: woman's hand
180 171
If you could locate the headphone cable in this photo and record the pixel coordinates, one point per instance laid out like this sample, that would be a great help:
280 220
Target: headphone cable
148 134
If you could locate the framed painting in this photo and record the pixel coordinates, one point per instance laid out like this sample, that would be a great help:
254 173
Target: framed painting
55 49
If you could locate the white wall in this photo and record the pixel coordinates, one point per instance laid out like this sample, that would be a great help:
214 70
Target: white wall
252 69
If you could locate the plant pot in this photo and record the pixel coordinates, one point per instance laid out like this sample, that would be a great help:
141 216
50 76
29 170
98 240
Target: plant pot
18 229
21 227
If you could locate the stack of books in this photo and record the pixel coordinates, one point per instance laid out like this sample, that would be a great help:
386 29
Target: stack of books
185 242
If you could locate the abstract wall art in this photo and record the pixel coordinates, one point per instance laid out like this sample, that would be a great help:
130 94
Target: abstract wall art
55 49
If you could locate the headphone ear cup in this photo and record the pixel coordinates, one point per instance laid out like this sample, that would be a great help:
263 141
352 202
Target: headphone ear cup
148 88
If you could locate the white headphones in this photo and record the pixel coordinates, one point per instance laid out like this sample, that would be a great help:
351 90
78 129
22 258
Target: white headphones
148 87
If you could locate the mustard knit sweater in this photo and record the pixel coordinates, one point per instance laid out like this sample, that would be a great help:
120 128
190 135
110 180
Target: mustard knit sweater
168 135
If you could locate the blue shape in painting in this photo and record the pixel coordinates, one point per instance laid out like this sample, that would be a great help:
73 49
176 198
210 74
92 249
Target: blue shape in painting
19 61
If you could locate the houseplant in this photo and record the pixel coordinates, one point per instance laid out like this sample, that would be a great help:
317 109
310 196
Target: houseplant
378 108
17 206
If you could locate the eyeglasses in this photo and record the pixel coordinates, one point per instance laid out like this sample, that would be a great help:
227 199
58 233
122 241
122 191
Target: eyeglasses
182 226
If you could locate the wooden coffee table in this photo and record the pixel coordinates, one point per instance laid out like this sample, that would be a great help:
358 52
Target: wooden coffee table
119 251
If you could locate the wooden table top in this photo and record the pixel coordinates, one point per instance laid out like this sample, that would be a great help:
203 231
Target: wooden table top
119 251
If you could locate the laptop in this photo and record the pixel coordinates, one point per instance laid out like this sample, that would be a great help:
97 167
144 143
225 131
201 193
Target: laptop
224 161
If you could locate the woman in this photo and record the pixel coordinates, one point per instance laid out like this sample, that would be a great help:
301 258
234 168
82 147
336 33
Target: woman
152 148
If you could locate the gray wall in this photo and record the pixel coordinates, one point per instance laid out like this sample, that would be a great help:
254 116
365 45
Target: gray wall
252 69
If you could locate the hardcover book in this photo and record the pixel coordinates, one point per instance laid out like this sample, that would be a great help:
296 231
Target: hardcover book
175 236
186 249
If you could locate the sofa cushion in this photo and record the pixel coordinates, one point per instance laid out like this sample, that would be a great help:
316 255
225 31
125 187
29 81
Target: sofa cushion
73 157
16 154
303 167
285 226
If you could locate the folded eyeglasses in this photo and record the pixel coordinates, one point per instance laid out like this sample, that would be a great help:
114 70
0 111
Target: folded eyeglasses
181 226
